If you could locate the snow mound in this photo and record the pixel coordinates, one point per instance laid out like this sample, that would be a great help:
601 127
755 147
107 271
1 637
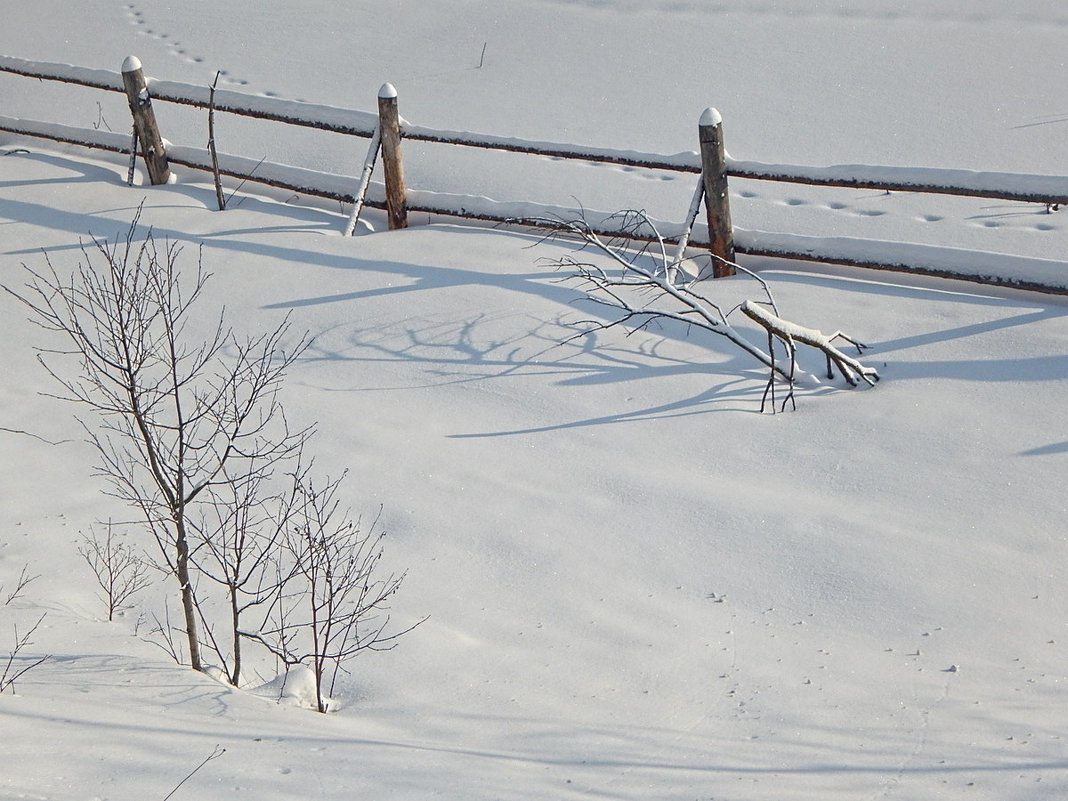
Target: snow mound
295 687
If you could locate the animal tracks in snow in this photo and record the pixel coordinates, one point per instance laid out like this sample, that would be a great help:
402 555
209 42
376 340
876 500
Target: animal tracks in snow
827 211
945 221
659 176
136 17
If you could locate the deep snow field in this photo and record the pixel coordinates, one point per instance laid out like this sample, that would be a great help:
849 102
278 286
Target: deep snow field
638 586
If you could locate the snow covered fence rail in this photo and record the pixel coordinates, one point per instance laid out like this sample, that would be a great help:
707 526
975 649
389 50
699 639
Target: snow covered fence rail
1033 188
687 161
53 131
982 267
1048 189
998 185
987 268
65 73
309 115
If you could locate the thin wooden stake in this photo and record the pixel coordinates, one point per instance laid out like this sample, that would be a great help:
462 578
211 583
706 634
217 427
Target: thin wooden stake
219 198
365 181
133 158
717 200
684 240
392 162
152 148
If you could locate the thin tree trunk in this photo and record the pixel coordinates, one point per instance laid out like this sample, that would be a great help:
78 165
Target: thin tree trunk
189 608
235 617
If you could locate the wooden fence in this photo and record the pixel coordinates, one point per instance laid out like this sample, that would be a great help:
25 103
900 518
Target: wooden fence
387 130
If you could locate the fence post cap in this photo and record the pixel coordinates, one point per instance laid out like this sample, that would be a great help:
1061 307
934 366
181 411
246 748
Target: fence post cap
387 91
131 64
711 117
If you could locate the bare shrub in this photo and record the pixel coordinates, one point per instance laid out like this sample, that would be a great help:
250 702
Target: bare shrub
119 570
333 599
17 664
176 411
189 431
239 540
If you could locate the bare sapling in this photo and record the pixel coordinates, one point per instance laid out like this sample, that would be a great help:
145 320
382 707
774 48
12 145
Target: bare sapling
119 569
334 601
8 595
177 404
239 539
642 281
165 635
18 664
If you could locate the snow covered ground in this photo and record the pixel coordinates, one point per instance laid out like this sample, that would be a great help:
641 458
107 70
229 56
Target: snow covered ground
638 586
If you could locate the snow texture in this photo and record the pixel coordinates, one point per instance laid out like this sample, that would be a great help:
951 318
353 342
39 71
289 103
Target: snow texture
638 586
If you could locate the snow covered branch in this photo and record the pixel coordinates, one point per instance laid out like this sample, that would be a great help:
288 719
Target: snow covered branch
643 282
790 333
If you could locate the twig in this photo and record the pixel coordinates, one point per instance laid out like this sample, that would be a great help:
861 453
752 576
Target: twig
245 180
20 586
120 573
100 118
165 631
7 677
35 436
482 58
215 754
641 293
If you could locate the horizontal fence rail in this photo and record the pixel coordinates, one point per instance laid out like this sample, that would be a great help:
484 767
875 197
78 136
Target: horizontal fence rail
292 112
996 185
688 161
1052 189
920 259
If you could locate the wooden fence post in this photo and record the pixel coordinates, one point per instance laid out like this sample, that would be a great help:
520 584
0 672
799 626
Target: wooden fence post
392 164
152 149
717 198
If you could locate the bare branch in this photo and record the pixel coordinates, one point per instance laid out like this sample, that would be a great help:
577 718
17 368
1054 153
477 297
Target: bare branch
850 368
215 754
332 602
12 671
640 285
16 592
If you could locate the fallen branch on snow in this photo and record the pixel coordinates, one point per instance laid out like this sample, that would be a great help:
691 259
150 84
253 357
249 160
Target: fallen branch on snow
641 284
791 333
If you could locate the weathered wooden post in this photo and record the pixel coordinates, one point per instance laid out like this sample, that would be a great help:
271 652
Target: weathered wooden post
717 198
392 164
152 149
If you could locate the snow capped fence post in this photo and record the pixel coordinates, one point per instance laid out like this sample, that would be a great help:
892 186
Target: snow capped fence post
389 130
152 149
717 199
